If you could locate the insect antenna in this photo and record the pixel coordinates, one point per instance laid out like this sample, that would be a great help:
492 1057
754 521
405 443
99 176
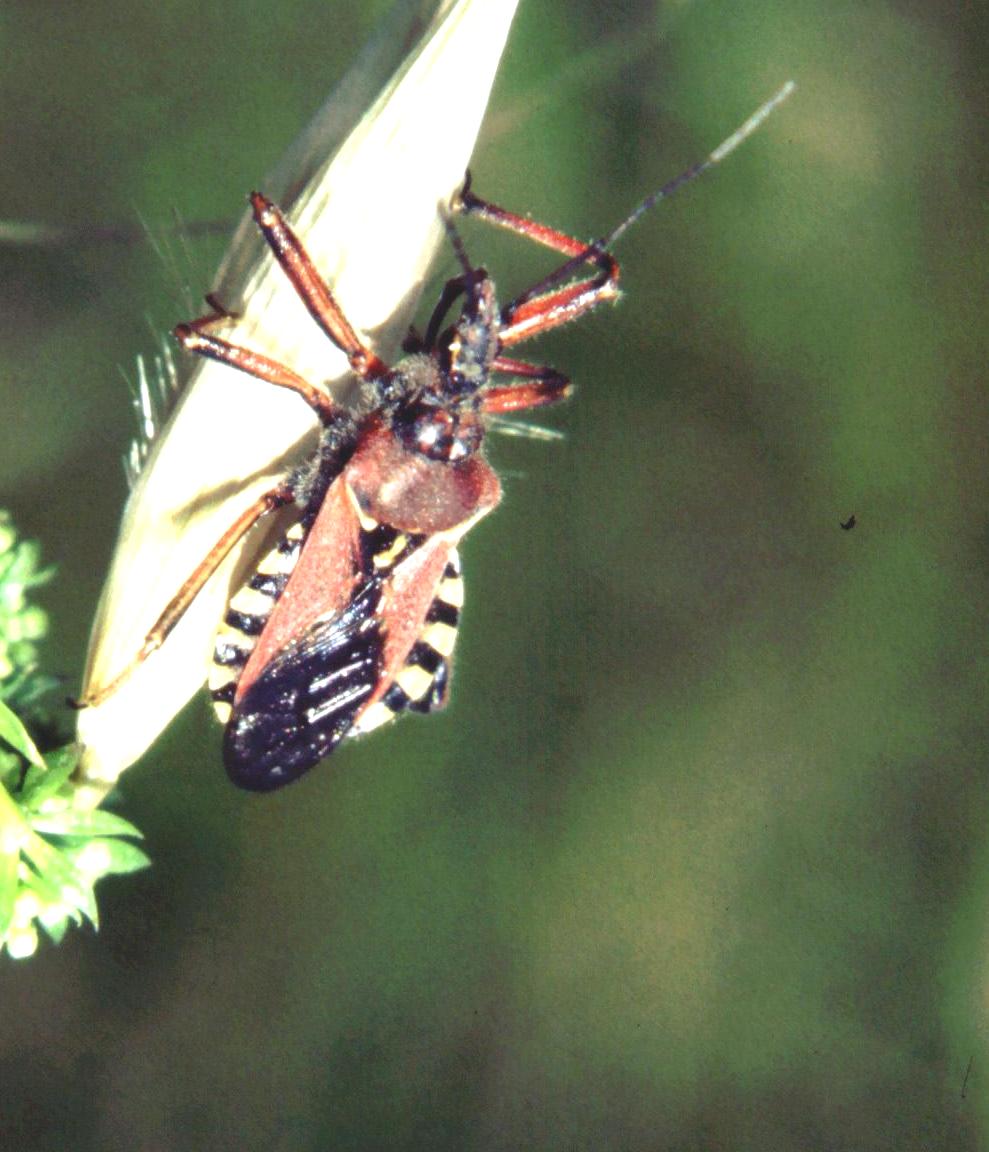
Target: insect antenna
724 149
571 267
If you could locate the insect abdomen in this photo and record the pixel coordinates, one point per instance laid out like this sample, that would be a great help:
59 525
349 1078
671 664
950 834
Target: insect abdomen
334 678
423 683
247 615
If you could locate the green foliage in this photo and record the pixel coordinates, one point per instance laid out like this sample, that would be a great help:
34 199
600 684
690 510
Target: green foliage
22 624
51 853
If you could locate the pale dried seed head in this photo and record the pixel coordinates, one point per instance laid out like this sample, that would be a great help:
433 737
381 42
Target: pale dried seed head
368 217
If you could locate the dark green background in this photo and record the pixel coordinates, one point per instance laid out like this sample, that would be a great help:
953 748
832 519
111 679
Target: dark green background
698 856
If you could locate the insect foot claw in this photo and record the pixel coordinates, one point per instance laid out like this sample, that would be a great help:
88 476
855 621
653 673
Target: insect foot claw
219 310
460 201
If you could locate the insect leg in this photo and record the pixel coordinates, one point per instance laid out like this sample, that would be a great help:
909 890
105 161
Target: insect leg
542 386
472 205
529 316
177 606
312 288
544 305
193 338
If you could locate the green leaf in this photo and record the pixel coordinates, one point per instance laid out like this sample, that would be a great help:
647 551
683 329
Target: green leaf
80 823
56 931
56 878
13 732
43 781
124 857
9 863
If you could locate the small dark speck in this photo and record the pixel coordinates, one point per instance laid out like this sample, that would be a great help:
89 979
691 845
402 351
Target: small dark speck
848 524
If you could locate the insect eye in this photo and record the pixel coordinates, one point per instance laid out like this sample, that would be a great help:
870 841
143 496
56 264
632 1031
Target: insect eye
442 435
433 433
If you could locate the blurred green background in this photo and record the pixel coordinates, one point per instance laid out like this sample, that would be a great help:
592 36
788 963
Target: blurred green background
698 858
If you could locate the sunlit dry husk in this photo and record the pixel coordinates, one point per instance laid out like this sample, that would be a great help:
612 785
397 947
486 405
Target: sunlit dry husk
369 217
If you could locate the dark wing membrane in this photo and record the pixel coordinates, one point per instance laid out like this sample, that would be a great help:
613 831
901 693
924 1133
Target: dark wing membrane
307 698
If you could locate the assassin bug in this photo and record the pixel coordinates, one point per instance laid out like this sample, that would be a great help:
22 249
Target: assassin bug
351 619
